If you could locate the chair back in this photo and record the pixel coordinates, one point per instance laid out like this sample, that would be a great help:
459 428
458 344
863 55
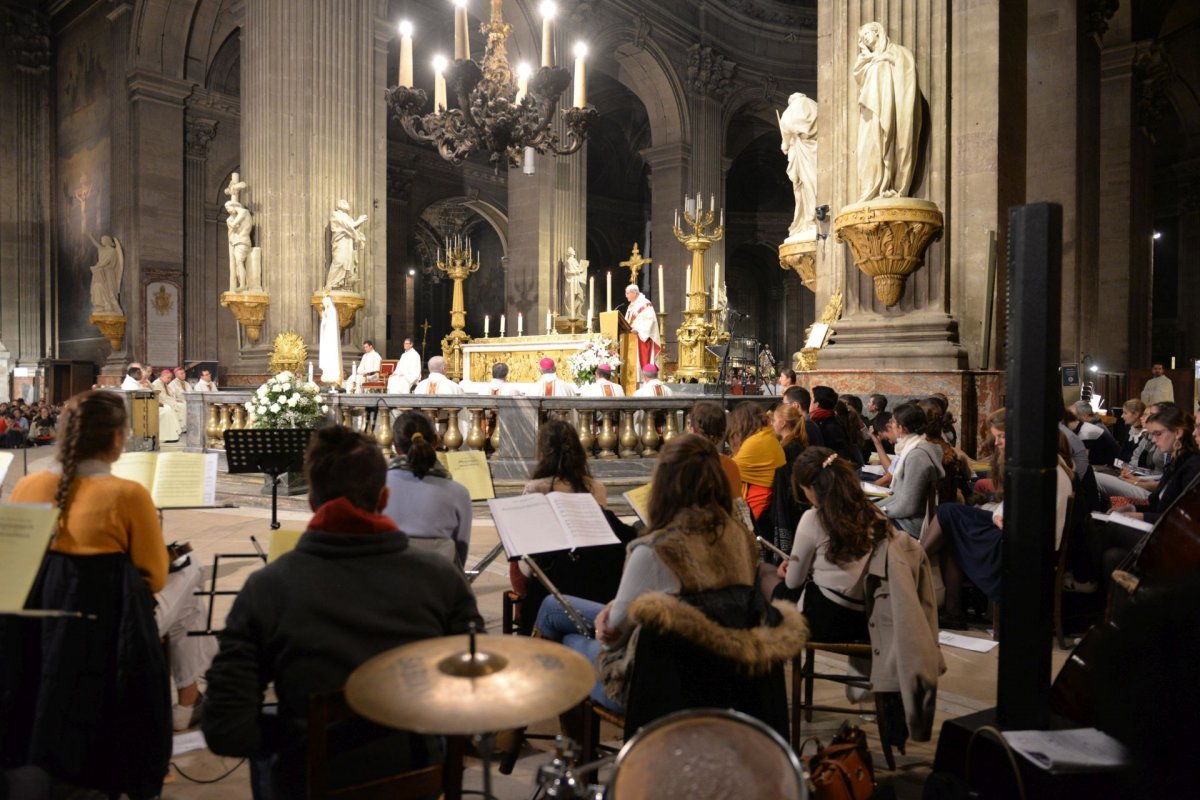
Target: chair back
328 709
707 753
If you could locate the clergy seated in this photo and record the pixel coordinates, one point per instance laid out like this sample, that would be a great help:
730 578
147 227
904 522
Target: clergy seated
603 386
549 384
437 382
352 588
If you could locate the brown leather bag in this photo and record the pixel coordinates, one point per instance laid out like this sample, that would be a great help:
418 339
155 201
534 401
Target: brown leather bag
842 770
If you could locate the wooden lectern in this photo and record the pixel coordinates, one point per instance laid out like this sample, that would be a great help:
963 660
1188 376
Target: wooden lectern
614 326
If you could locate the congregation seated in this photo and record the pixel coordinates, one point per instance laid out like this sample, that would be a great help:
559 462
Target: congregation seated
758 454
591 573
707 419
788 423
352 588
423 501
1101 446
695 561
800 397
955 463
917 472
949 432
1138 453
834 433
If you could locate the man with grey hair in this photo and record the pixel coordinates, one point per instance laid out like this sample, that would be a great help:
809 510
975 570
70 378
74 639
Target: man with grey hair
437 382
500 387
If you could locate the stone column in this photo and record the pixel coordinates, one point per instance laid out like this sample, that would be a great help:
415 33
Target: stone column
670 175
27 290
199 294
313 132
918 332
710 79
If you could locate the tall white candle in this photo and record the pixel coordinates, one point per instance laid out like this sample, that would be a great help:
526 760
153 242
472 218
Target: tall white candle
591 294
520 323
523 73
580 75
548 10
310 372
502 316
439 83
486 324
608 290
662 295
589 321
549 322
406 67
716 282
687 289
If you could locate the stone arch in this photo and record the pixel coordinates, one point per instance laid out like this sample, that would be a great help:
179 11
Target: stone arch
493 215
643 67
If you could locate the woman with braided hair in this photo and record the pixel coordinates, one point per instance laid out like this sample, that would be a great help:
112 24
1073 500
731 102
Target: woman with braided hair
100 513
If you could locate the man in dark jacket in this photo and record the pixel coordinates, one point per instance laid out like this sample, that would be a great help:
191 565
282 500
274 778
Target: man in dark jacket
351 589
798 396
833 435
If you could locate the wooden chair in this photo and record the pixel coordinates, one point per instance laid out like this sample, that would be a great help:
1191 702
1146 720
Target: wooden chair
328 709
1060 574
386 367
593 715
804 675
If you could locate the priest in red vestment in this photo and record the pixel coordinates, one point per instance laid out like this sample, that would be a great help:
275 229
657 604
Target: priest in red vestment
644 321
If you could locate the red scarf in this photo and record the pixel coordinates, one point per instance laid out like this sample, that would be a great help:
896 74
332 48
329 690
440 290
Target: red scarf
342 516
819 414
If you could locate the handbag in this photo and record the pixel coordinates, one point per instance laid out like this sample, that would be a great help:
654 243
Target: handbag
841 770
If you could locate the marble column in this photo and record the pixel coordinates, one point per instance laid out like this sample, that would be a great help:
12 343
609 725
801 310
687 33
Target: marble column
670 177
26 164
200 334
313 132
710 79
919 332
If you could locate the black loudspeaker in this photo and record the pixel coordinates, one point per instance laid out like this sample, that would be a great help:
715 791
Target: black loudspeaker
1034 410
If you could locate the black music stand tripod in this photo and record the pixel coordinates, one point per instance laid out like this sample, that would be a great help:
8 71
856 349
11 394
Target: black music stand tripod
270 451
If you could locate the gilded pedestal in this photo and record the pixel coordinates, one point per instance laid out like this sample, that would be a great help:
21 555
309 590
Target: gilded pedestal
802 257
887 238
112 327
347 304
249 309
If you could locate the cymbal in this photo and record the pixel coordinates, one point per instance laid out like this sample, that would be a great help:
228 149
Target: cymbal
436 686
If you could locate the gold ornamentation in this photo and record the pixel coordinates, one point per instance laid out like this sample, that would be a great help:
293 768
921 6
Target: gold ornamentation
806 359
383 426
163 300
457 265
801 257
249 309
112 327
523 364
289 353
888 238
635 263
698 332
347 304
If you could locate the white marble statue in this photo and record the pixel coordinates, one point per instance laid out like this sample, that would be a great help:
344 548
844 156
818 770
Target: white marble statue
889 125
721 306
798 127
346 239
575 277
329 356
242 277
106 275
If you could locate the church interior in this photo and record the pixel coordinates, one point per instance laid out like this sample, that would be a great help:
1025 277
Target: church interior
600 250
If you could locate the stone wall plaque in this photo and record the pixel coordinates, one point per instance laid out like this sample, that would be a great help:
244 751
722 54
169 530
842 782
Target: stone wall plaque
162 323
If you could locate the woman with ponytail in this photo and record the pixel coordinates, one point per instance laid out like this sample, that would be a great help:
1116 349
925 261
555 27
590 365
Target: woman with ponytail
423 500
100 513
833 541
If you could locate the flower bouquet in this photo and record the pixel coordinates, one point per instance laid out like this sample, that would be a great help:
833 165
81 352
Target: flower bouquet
583 364
286 401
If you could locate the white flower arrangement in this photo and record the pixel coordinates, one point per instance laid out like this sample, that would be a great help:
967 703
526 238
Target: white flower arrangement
599 350
286 401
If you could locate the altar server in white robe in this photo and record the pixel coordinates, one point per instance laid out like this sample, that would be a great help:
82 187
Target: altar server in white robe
641 317
549 384
407 371
368 367
603 385
437 382
133 380
206 382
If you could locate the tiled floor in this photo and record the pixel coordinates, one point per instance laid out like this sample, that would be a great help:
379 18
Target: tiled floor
968 685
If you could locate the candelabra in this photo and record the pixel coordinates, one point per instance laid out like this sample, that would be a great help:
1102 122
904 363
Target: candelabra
457 265
700 231
497 113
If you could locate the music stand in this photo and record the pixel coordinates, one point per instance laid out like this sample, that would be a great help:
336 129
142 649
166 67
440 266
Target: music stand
271 451
721 353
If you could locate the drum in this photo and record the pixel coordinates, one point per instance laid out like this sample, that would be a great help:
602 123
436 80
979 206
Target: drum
707 754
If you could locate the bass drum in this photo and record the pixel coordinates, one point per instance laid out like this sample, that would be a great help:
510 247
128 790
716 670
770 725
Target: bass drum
707 754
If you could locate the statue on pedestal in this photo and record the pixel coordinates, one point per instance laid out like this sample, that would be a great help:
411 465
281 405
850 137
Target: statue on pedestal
329 359
106 276
889 125
347 239
798 128
574 277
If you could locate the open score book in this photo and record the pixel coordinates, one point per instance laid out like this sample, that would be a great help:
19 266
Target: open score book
173 479
541 523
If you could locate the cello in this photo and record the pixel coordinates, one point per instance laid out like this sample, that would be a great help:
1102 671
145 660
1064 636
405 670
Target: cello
1165 554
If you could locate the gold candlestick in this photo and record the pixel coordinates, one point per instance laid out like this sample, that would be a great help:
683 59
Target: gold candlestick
699 232
458 265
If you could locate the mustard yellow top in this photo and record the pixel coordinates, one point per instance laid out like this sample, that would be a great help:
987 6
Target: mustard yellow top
758 458
107 515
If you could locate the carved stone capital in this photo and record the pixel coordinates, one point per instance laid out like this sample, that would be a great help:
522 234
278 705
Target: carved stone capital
27 39
887 238
250 309
708 72
801 257
198 134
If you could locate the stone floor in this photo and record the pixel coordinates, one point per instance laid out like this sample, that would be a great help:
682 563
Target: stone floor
968 685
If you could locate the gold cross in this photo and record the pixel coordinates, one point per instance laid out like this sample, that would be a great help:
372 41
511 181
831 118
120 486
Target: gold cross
424 326
635 263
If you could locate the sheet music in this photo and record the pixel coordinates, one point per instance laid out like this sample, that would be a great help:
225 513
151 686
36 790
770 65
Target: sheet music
875 491
639 501
185 479
874 469
527 524
471 469
1078 749
1123 519
25 531
6 460
136 467
583 520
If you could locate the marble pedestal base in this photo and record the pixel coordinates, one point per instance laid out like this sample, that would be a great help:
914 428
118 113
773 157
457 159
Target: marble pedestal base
973 394
915 341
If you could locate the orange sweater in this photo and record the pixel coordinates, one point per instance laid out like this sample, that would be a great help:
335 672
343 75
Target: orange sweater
107 515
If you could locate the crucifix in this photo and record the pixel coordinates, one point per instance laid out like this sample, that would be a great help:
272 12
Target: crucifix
236 185
635 263
424 326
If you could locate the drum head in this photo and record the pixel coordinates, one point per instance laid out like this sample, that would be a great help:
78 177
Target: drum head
707 754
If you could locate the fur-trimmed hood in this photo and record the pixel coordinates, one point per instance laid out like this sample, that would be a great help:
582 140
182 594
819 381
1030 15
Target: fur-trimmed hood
757 649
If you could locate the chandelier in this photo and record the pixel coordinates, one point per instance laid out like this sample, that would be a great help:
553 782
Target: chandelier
507 116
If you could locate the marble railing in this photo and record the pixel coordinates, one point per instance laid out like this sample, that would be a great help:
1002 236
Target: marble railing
611 429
